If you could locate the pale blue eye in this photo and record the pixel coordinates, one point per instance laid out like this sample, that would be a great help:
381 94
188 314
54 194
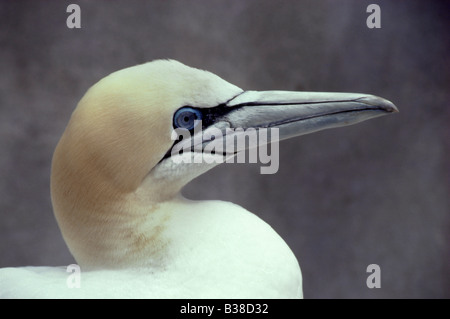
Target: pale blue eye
186 118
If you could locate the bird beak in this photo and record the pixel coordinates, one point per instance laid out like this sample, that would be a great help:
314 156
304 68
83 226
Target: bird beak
299 113
291 113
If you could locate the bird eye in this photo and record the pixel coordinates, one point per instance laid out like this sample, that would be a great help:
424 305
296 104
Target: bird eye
186 118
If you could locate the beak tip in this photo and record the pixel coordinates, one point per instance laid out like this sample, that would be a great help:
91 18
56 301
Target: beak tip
383 104
390 107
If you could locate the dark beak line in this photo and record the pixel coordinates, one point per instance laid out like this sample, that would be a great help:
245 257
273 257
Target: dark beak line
287 103
304 118
386 108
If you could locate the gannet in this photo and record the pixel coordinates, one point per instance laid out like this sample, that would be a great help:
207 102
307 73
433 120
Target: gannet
115 189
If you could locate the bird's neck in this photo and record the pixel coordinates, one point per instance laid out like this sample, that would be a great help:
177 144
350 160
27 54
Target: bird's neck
105 226
186 241
111 233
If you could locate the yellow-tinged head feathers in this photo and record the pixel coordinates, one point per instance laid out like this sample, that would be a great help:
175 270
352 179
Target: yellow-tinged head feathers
122 126
119 131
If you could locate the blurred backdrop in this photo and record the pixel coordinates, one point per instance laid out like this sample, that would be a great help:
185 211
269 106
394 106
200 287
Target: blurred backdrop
373 193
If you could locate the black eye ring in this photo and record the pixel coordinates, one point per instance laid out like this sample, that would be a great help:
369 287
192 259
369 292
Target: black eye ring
187 118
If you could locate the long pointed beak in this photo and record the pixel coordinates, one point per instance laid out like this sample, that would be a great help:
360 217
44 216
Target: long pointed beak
299 113
293 113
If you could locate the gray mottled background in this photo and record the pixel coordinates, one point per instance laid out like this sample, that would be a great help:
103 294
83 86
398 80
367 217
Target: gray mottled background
377 192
